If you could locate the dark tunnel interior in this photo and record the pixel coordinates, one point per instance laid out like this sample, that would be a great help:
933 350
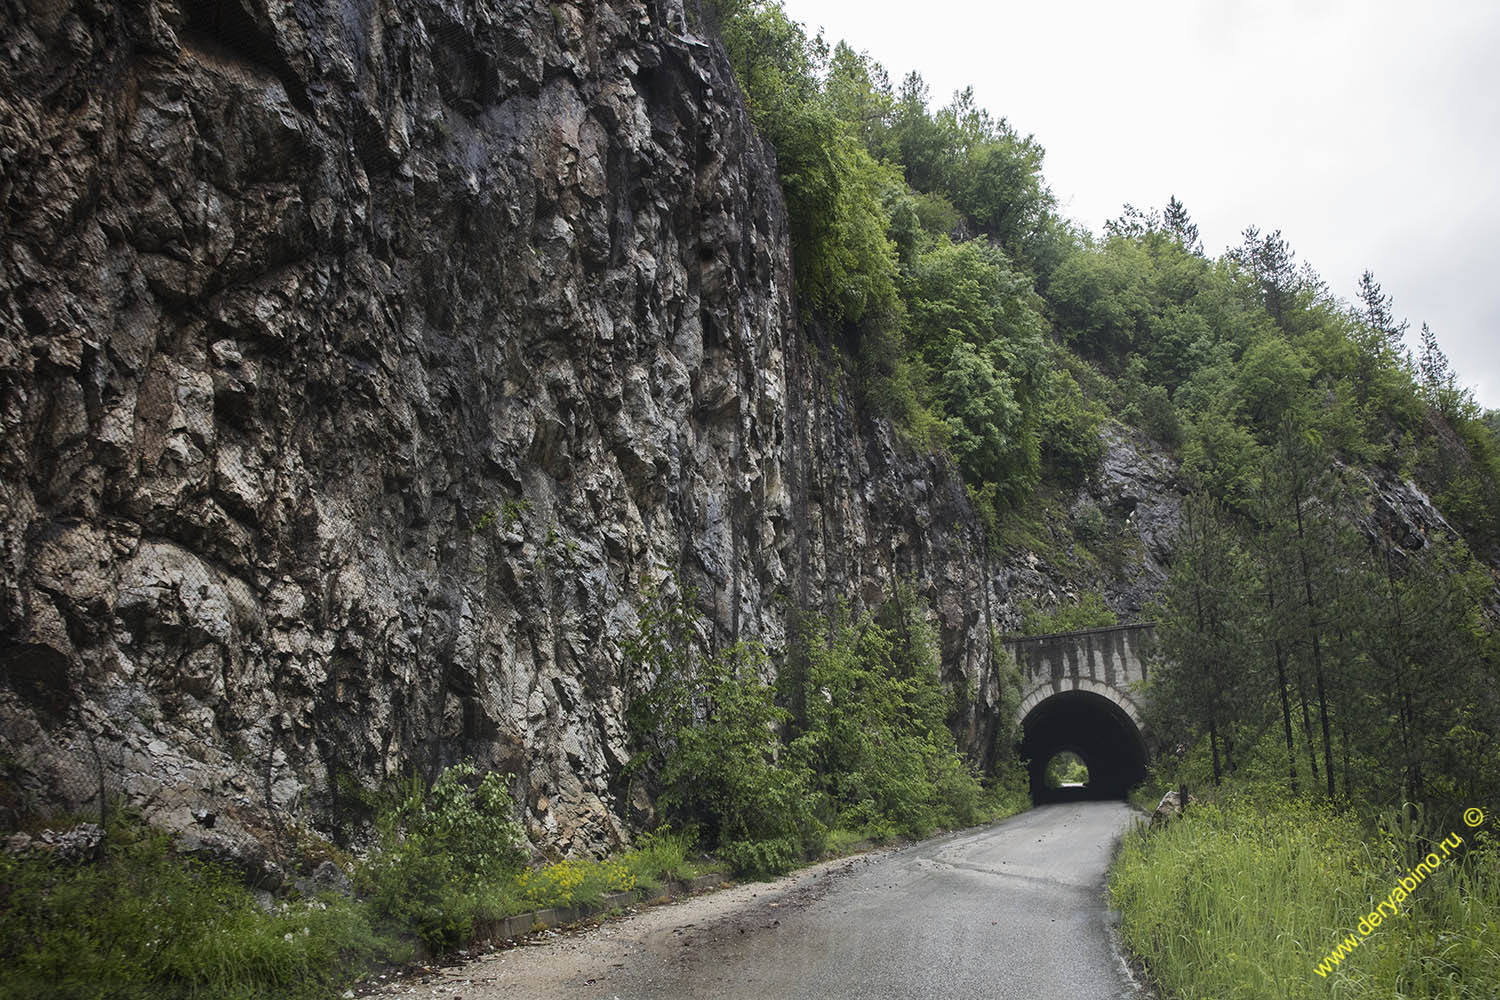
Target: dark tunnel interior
1094 728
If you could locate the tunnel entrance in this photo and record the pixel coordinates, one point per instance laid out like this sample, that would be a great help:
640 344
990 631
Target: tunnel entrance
1095 729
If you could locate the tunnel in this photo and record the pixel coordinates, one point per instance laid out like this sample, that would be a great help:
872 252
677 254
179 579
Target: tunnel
1098 731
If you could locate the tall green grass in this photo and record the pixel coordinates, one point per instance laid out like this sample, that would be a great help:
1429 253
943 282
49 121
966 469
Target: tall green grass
144 922
147 922
1241 901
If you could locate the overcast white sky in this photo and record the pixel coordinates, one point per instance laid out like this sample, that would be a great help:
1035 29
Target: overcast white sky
1367 132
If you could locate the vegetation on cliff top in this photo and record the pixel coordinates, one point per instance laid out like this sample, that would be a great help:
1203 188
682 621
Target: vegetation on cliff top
929 239
1303 629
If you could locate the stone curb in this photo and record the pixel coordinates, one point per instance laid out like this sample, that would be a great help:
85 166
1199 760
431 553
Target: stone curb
522 924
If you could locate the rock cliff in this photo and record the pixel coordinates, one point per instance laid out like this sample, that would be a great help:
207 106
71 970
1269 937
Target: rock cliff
363 362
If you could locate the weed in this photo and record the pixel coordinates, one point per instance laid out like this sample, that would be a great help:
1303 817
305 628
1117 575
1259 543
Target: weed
146 922
1242 900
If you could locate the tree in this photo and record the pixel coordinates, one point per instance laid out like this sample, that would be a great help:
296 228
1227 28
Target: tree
1205 604
1271 262
1102 294
1440 382
1301 512
1273 377
859 93
1378 319
1175 220
993 429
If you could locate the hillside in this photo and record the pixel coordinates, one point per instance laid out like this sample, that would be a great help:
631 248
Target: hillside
365 371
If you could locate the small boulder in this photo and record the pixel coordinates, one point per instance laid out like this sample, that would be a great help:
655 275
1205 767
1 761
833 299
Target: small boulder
1169 807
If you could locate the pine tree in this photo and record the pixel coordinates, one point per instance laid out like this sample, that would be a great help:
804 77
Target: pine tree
1271 260
1206 602
1176 220
1377 317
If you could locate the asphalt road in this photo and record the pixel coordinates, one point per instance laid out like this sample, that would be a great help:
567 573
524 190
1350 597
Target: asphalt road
1014 910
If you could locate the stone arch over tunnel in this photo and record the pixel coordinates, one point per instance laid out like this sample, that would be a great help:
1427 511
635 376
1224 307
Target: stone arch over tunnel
1097 730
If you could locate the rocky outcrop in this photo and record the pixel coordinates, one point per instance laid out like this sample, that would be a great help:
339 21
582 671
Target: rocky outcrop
362 363
1114 537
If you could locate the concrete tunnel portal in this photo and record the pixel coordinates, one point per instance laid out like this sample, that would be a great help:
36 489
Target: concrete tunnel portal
1098 731
1083 692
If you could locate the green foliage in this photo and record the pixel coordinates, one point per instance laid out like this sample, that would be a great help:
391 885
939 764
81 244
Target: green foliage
872 726
1102 296
1273 377
565 883
1212 355
726 773
706 731
1221 458
1203 629
512 511
661 856
1067 768
1069 430
1242 900
975 323
437 850
1147 405
854 734
987 425
146 922
1296 652
872 242
846 264
1087 611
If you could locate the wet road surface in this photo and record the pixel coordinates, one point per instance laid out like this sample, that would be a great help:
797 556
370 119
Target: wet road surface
1013 910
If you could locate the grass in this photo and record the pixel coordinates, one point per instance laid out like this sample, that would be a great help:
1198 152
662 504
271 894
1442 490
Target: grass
662 857
1242 901
991 805
147 922
144 922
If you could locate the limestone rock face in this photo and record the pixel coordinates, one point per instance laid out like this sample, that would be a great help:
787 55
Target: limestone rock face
1129 507
362 363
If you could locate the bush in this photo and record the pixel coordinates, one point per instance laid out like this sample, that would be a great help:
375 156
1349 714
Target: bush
659 857
569 882
853 735
1088 611
437 849
1071 446
705 730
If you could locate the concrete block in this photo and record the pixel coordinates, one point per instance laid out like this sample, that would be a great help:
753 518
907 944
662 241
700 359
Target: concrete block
521 924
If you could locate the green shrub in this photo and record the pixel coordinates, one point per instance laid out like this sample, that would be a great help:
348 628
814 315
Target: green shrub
660 857
565 883
763 858
705 730
854 734
1087 611
1071 446
437 849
